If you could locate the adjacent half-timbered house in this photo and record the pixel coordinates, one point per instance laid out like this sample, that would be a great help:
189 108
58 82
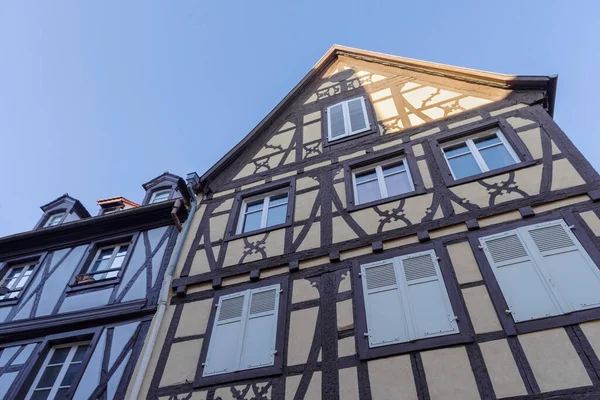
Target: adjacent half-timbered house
393 229
77 293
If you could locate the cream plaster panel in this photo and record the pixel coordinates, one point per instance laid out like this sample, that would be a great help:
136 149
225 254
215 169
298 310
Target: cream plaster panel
311 117
368 219
388 145
591 331
223 193
448 231
345 284
564 175
346 347
517 122
439 213
312 132
303 290
502 368
253 184
507 109
561 203
553 359
217 227
313 97
306 183
234 280
392 378
224 393
291 158
434 112
418 150
592 220
424 170
215 250
182 363
246 171
482 313
274 271
533 140
273 246
302 330
273 161
555 149
194 318
458 209
423 134
499 219
464 122
225 206
348 384
427 95
282 140
199 288
449 374
361 251
340 189
415 120
387 92
199 263
202 395
385 109
312 239
282 176
313 262
464 263
286 126
306 154
314 388
304 204
327 84
317 165
471 102
352 155
345 318
341 231
403 241
408 86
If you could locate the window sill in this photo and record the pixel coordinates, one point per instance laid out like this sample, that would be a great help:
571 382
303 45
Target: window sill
90 285
352 207
9 302
238 376
345 139
452 182
256 232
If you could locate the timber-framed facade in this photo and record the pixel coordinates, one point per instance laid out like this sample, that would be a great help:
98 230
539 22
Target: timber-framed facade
493 345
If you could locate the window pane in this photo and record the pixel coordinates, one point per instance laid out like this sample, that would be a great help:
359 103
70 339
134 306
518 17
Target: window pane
464 166
252 221
456 150
80 353
49 376
161 196
279 199
105 254
487 141
277 215
40 394
336 121
357 118
255 206
367 192
118 261
60 355
497 157
122 251
366 176
390 169
100 265
61 394
397 184
71 372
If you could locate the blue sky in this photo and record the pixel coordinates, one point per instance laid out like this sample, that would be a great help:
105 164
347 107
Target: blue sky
97 98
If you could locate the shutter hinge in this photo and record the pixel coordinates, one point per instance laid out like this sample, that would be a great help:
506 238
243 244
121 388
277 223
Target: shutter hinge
360 274
571 227
216 306
480 247
438 258
280 290
274 352
508 312
366 334
454 318
203 364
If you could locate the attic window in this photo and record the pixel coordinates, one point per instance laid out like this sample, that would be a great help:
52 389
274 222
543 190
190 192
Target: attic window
160 196
54 220
347 118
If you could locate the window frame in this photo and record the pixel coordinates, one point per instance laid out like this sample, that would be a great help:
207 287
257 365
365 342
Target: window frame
382 158
289 185
36 259
496 295
508 135
464 334
155 194
344 97
266 199
277 367
347 123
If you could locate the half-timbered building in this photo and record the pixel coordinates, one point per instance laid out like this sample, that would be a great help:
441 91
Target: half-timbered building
77 293
393 229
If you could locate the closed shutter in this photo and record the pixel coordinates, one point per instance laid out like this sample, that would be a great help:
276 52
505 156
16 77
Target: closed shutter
226 338
335 116
385 317
429 307
523 285
261 328
570 272
357 115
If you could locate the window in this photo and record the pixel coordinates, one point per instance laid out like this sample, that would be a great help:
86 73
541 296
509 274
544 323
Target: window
54 220
106 263
347 118
264 211
159 196
542 271
406 299
483 152
56 375
244 332
378 182
15 280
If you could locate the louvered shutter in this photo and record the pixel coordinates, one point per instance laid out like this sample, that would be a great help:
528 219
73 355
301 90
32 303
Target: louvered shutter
523 285
357 115
429 307
261 328
226 338
571 273
335 116
385 319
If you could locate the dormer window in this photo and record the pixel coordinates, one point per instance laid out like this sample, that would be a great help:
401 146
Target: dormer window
347 118
54 220
160 196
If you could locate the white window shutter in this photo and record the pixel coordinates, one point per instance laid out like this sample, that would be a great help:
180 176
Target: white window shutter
383 304
335 116
261 328
226 338
571 273
523 285
429 308
357 115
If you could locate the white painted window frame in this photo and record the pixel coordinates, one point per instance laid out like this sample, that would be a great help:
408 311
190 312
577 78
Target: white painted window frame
116 248
157 193
347 124
63 370
381 177
476 152
265 209
55 217
26 267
